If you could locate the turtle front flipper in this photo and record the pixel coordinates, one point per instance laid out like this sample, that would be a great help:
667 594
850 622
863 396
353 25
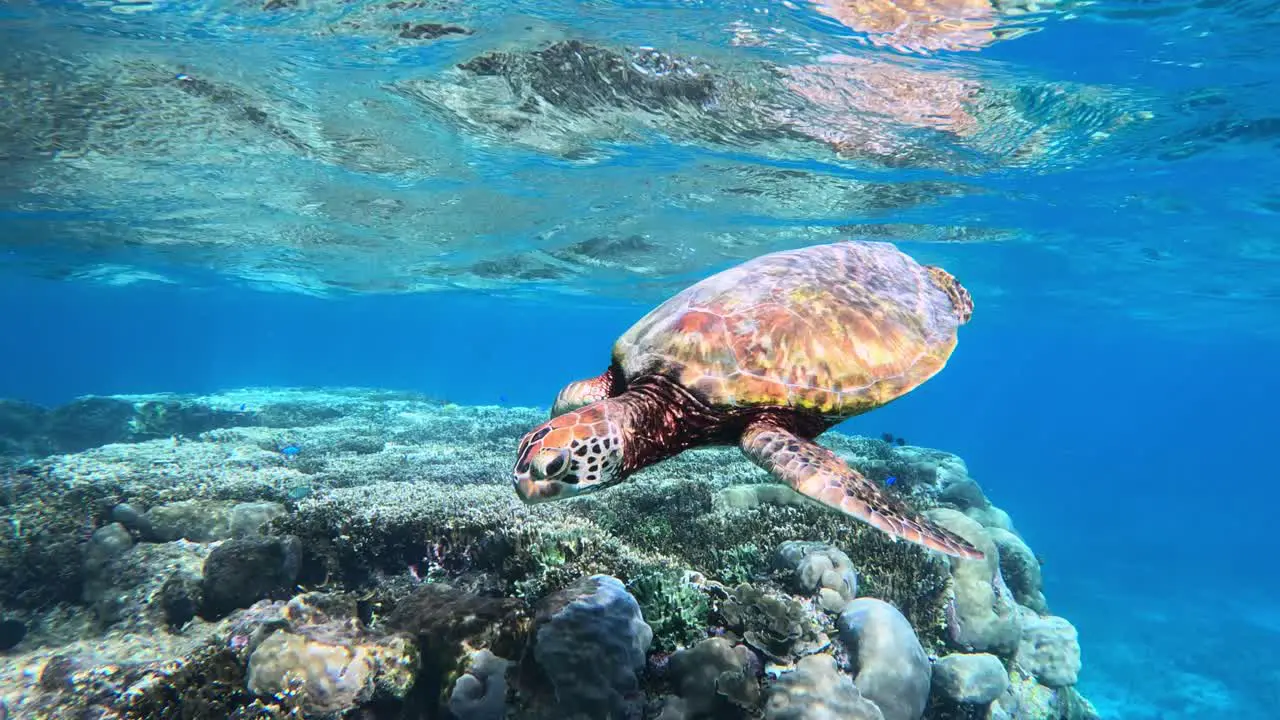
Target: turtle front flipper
581 393
818 473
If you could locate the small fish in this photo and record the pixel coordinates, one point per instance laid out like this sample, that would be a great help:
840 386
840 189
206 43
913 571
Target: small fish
502 399
890 480
887 437
901 441
290 451
243 406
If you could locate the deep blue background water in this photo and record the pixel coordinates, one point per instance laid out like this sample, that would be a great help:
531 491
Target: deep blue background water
1091 436
1134 461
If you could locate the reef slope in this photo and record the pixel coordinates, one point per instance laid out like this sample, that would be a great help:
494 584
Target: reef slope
356 553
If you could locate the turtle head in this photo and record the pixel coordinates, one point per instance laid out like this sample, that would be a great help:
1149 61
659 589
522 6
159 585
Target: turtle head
960 298
569 455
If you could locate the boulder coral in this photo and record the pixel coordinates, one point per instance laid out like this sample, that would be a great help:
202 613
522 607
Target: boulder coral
970 678
984 616
590 642
890 667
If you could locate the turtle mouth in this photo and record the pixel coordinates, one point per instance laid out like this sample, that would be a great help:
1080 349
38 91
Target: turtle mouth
533 491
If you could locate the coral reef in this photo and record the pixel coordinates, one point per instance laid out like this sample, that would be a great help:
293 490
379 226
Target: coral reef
186 576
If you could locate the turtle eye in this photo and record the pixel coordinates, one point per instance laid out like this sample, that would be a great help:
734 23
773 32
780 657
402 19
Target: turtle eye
557 464
548 465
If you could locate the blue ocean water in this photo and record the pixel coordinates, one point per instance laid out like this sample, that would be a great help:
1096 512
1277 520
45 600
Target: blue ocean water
333 206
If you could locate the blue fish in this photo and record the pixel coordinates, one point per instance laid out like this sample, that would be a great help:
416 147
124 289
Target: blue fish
890 480
290 451
502 399
243 406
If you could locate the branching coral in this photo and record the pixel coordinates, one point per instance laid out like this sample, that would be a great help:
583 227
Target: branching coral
675 608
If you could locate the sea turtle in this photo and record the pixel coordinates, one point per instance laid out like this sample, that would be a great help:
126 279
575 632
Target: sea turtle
766 355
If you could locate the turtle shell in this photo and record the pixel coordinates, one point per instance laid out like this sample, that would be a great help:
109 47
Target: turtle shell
834 329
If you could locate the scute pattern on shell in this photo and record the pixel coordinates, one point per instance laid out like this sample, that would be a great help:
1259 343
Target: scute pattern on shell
835 329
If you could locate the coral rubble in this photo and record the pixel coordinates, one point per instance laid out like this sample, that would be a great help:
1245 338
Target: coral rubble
349 553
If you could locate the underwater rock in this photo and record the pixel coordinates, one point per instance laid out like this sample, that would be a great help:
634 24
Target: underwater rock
209 520
816 690
133 519
775 625
480 692
242 571
58 673
749 496
591 641
180 598
129 592
23 429
985 616
294 414
329 663
975 679
12 631
21 420
1049 649
101 569
248 519
90 422
820 568
105 545
167 416
716 678
890 667
1020 569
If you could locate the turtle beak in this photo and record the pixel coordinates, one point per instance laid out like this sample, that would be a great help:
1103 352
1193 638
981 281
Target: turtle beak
534 491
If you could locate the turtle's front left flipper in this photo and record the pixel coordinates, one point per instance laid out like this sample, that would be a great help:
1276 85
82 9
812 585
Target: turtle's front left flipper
581 393
820 474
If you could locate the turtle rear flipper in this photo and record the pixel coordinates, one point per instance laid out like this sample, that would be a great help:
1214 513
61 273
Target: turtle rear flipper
819 474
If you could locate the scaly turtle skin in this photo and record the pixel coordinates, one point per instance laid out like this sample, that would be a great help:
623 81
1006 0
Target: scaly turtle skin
766 355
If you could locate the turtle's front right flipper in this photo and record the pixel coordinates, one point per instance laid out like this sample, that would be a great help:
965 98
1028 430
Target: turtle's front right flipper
818 473
581 393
